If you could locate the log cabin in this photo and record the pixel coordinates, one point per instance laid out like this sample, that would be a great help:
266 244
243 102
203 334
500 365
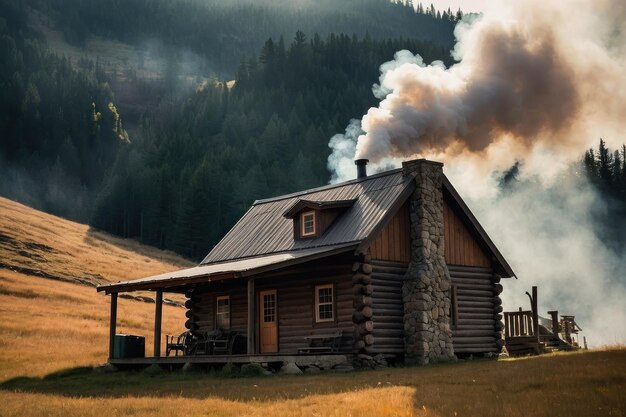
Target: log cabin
390 264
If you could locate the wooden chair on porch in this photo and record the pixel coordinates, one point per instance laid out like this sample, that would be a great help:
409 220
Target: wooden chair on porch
177 344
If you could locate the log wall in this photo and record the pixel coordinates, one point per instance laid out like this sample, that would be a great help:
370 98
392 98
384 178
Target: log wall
478 307
394 241
296 302
387 306
461 248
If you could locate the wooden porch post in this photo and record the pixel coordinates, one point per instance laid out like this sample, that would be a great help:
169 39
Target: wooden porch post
251 316
535 308
112 324
157 323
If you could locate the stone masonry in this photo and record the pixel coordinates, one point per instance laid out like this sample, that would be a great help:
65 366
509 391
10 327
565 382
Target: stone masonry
426 286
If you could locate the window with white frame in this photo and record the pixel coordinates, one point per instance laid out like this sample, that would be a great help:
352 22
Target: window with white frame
307 222
324 303
222 312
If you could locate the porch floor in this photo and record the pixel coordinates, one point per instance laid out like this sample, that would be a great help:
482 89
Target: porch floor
300 359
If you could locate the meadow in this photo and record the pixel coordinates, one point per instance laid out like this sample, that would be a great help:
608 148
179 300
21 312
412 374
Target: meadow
54 340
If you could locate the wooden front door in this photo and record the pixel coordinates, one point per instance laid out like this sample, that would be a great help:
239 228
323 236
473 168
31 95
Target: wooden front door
268 318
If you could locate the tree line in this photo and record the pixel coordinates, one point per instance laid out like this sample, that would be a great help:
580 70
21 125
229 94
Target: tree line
222 32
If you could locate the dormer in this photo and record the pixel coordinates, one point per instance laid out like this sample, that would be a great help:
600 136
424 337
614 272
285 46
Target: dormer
312 218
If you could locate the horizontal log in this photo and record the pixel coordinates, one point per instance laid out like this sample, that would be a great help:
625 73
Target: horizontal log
498 309
461 288
462 340
499 326
496 278
473 333
366 268
471 282
497 301
387 276
466 315
189 304
476 348
387 312
486 328
469 269
497 289
384 320
470 310
477 322
475 302
500 342
389 341
356 266
368 339
475 293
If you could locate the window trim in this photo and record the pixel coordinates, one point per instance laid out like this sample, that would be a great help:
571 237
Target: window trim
217 313
302 227
317 303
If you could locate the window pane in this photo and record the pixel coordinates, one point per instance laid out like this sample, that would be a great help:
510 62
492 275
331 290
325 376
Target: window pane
324 303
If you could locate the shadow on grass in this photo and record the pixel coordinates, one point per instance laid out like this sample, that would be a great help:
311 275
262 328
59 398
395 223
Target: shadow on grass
229 385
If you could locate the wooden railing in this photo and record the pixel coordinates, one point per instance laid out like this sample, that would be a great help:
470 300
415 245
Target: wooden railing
518 324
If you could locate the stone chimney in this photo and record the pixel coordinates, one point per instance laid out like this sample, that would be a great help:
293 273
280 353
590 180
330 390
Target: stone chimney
426 286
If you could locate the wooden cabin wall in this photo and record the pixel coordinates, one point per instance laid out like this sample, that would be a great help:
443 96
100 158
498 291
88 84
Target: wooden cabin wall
394 242
296 310
205 300
296 302
477 311
388 318
461 248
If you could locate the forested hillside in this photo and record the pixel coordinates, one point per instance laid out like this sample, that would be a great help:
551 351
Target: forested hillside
59 126
198 162
224 31
275 81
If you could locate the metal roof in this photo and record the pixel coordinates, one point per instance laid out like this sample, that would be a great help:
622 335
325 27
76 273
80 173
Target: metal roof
264 230
226 270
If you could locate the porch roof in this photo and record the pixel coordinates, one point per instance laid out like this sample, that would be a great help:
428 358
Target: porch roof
226 270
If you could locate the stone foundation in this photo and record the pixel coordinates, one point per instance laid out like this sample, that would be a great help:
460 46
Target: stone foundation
426 287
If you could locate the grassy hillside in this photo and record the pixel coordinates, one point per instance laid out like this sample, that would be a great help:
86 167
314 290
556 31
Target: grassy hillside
40 244
50 314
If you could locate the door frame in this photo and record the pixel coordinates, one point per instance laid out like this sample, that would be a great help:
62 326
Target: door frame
260 318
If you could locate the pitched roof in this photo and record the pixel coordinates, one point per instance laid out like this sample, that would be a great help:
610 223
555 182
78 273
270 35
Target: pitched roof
263 238
264 229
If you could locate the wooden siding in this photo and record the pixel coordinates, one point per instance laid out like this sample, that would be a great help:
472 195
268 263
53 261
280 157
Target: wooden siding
296 302
387 306
393 243
475 329
461 248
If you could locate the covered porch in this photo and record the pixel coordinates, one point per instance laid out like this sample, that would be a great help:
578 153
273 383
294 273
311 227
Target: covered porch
248 281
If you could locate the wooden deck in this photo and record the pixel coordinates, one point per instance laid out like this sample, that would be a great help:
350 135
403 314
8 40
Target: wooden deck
300 359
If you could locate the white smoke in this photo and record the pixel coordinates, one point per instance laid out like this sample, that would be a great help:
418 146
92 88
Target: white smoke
536 82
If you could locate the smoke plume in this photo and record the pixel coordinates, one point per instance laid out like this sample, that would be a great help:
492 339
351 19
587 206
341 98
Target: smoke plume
536 84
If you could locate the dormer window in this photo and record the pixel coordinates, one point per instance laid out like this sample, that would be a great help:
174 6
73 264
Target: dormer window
307 220
311 218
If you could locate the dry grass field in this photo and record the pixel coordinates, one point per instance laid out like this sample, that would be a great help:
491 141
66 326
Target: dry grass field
41 244
53 333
